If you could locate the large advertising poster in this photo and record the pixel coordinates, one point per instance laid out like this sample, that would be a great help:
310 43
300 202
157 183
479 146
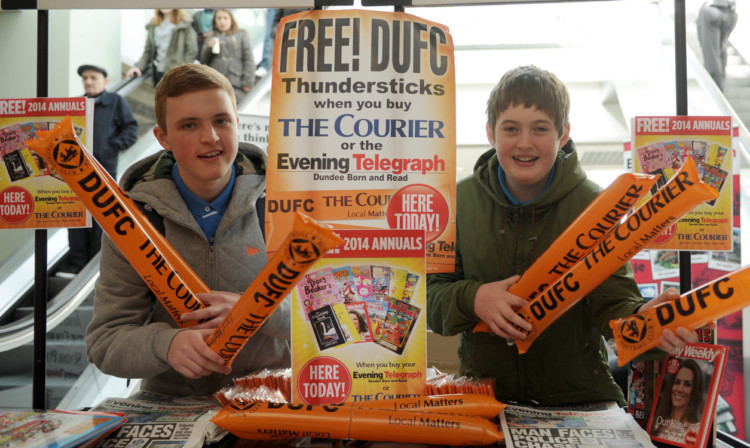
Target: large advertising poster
33 196
661 145
362 126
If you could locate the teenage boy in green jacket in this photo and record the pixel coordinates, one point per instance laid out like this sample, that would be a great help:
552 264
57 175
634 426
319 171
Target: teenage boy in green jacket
523 194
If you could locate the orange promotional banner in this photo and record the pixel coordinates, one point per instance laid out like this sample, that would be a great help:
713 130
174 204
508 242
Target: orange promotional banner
32 195
168 276
640 332
362 126
307 241
660 146
681 194
581 236
268 421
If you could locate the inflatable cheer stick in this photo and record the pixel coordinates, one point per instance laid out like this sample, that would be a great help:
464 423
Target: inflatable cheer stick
478 405
343 421
681 194
640 332
168 276
307 242
591 226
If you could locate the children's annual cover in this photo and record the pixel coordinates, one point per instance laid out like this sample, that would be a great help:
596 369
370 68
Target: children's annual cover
399 321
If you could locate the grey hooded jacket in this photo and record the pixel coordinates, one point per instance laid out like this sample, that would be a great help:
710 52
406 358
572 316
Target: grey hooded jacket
130 333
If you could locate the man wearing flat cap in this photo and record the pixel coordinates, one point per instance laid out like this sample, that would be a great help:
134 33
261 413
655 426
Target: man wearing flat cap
115 130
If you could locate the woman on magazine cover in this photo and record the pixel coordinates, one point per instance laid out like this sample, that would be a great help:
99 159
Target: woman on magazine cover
680 404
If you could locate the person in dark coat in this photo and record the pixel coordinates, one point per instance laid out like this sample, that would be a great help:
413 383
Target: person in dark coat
115 130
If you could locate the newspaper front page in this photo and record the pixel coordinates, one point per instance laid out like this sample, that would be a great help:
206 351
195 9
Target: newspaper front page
588 427
163 420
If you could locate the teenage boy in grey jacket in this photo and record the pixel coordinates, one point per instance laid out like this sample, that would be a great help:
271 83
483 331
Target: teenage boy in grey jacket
523 194
204 185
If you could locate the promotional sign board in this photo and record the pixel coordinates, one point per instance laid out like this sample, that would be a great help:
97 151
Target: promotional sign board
358 320
32 196
362 126
661 145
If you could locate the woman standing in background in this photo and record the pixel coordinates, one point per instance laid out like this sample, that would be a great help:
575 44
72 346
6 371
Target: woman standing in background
171 41
230 52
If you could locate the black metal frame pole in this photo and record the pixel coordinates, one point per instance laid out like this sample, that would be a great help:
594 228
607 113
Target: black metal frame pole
680 48
39 392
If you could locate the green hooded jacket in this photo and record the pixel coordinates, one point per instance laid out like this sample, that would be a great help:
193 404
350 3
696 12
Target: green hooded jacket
567 363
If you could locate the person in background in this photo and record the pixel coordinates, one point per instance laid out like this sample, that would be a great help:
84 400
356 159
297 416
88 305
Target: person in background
268 43
203 24
680 404
204 185
715 22
230 52
273 17
170 41
523 194
115 130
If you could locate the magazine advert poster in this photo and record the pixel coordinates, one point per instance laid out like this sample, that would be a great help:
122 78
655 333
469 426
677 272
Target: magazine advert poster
687 391
362 126
660 269
660 146
358 320
31 195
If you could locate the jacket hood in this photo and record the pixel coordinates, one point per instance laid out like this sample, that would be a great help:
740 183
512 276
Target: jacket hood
568 175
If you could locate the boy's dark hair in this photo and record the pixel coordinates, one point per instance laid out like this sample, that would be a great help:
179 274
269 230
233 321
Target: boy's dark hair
530 86
184 79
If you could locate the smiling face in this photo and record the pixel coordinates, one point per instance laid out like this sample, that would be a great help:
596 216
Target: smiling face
201 132
682 388
526 141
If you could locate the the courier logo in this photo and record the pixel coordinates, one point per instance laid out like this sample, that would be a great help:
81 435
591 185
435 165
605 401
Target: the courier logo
68 155
303 251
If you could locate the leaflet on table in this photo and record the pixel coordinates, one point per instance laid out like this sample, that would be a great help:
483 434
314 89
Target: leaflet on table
660 146
358 320
527 426
31 195
362 126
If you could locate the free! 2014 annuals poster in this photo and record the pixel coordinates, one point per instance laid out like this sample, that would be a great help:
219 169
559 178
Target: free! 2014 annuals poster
362 126
661 145
349 344
31 195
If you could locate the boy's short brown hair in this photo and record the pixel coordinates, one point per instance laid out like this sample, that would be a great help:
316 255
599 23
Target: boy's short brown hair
530 86
184 79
